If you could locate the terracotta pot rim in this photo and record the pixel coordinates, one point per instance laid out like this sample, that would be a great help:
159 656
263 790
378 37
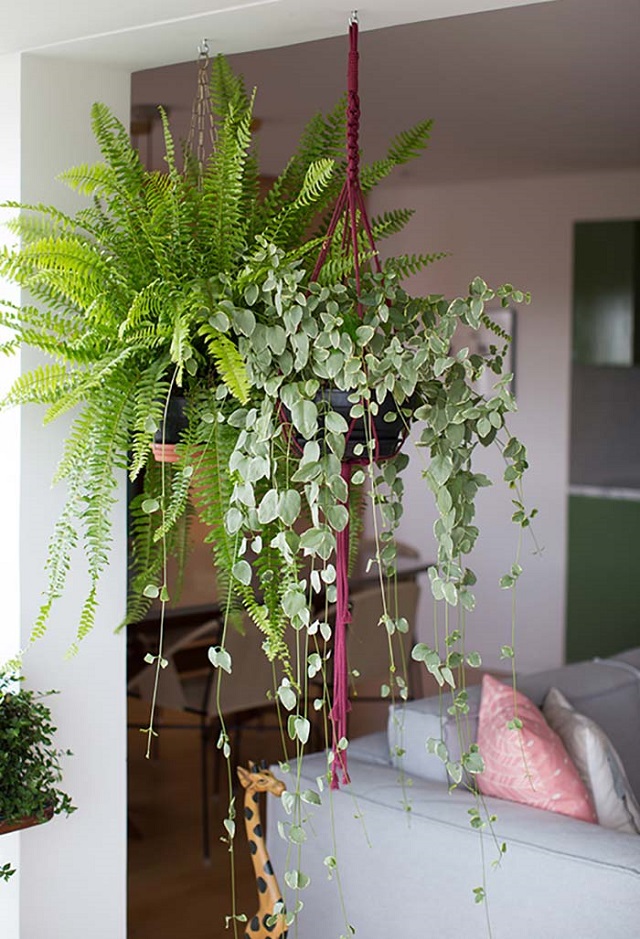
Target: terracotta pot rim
27 821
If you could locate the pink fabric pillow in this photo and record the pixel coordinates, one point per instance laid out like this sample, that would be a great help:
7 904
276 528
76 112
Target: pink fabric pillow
529 765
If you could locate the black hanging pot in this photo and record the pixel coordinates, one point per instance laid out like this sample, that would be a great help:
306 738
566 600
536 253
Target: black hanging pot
170 430
388 435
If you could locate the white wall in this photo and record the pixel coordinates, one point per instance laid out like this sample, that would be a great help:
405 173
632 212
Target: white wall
72 872
519 231
9 461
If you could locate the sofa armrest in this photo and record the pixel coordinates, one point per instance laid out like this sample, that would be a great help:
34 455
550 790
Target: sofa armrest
419 863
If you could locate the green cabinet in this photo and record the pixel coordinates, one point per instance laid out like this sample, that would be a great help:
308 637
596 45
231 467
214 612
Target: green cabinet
603 596
606 293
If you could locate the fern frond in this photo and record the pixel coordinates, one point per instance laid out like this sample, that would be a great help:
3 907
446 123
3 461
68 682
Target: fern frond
295 215
169 145
389 223
38 221
322 138
229 362
336 268
404 147
84 383
90 179
227 88
405 264
409 144
42 385
497 330
147 306
149 400
115 145
69 265
222 188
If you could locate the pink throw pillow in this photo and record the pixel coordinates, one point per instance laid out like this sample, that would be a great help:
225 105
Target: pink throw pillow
529 765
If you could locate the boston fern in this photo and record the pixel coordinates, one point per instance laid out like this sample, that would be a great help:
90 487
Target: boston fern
151 289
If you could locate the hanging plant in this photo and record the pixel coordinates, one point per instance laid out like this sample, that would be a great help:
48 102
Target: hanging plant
147 294
298 366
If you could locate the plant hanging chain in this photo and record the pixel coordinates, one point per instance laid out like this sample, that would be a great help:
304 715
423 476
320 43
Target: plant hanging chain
201 137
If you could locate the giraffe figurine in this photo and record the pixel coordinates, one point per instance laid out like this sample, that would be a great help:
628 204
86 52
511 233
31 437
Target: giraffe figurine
256 780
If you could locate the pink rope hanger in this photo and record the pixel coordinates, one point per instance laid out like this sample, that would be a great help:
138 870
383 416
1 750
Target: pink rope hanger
350 207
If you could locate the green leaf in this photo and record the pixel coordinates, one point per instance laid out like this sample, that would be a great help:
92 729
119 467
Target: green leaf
484 427
296 880
472 761
450 593
220 658
444 500
335 423
268 508
302 728
245 321
304 415
251 292
220 321
287 695
233 520
242 572
149 506
440 469
151 591
289 506
337 516
311 797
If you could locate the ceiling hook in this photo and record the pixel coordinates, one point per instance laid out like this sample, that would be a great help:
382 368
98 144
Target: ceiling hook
203 49
353 19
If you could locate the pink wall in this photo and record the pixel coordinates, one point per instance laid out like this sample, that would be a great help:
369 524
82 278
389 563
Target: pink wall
520 231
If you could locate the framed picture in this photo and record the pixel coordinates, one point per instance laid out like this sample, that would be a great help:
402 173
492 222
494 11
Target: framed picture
479 341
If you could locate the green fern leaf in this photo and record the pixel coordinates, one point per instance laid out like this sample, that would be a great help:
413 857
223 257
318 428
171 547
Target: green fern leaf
229 363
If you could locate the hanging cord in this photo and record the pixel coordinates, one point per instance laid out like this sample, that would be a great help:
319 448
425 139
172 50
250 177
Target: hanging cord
350 206
341 705
201 138
350 202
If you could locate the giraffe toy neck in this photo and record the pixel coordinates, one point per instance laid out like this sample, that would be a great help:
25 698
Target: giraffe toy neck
269 894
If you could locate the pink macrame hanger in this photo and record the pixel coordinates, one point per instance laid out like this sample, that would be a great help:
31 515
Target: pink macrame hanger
350 207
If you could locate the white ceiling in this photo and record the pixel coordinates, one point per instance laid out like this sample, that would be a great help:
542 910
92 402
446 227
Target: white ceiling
545 88
139 34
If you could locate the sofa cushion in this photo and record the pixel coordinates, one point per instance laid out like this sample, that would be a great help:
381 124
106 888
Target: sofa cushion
603 690
371 748
529 764
607 691
597 762
412 724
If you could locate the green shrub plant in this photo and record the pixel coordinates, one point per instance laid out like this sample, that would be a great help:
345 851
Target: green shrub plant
30 763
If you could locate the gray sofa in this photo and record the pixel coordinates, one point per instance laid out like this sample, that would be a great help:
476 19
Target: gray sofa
409 873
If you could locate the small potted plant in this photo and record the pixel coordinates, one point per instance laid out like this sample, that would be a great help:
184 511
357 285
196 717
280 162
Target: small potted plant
30 762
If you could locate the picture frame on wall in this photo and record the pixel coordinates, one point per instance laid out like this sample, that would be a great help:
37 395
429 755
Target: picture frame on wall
479 341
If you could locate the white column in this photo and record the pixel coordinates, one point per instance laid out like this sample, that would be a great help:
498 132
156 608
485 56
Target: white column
9 459
72 871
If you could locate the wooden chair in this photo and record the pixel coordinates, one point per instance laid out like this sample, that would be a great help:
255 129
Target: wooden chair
189 684
368 641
